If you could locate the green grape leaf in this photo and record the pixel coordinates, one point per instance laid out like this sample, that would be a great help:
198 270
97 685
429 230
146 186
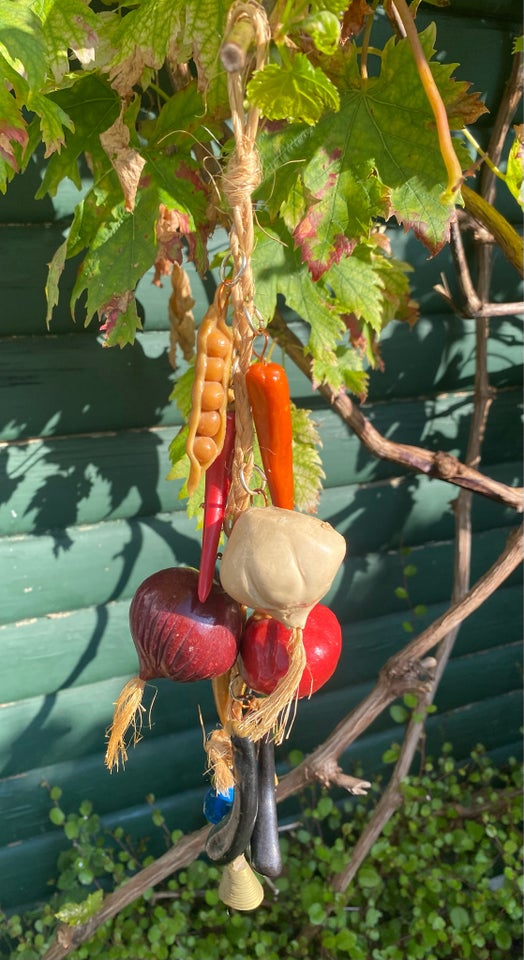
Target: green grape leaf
324 29
92 107
204 27
283 154
181 392
52 119
307 463
141 41
514 165
518 44
357 287
7 170
341 368
395 290
180 471
67 25
178 456
75 914
123 249
178 185
22 41
377 157
91 212
294 91
179 122
277 270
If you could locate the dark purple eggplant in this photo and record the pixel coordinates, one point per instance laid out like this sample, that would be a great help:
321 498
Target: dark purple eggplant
230 837
265 848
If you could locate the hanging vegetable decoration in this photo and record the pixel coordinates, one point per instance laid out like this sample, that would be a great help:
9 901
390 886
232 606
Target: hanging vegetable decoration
268 392
207 422
281 562
217 483
176 637
263 657
276 562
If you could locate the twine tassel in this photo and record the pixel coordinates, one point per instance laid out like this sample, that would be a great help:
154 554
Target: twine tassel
275 710
128 713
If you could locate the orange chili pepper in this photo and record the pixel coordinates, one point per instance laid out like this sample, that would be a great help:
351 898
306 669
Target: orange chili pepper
268 390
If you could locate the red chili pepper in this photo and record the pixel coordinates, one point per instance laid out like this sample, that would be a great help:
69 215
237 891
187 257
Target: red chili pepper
268 392
218 477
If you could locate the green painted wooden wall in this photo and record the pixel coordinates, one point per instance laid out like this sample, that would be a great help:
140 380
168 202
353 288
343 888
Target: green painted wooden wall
86 513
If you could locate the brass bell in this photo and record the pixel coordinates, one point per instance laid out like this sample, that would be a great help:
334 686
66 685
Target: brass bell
239 887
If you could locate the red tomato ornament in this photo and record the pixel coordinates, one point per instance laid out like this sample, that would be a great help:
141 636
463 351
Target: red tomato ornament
263 657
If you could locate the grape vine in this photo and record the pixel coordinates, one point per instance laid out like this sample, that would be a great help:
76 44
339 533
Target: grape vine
351 135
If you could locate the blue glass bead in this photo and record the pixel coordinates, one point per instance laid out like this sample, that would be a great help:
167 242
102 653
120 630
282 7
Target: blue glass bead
217 805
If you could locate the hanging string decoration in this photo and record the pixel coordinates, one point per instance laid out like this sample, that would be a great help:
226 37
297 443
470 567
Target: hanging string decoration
276 562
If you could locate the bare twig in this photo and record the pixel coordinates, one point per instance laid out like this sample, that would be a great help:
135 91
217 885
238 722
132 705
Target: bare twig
391 799
447 150
180 855
509 559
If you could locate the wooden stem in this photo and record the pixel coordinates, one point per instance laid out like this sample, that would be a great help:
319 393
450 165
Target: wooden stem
451 162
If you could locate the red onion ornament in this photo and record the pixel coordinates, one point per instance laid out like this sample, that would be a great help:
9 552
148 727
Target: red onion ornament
176 637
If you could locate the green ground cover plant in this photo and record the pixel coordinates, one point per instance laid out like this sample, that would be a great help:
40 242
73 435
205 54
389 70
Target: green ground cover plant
443 880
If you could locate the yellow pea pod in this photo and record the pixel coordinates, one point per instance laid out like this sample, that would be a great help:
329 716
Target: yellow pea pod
209 394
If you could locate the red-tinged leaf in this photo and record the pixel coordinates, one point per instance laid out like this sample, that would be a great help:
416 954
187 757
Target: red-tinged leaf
378 156
55 269
341 205
13 128
9 136
308 236
120 320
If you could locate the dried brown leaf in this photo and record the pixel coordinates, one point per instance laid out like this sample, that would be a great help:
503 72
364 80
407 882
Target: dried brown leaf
126 161
181 320
355 18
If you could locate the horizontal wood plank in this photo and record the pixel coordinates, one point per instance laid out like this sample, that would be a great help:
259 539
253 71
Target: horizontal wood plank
87 646
69 723
68 384
93 565
67 481
59 482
